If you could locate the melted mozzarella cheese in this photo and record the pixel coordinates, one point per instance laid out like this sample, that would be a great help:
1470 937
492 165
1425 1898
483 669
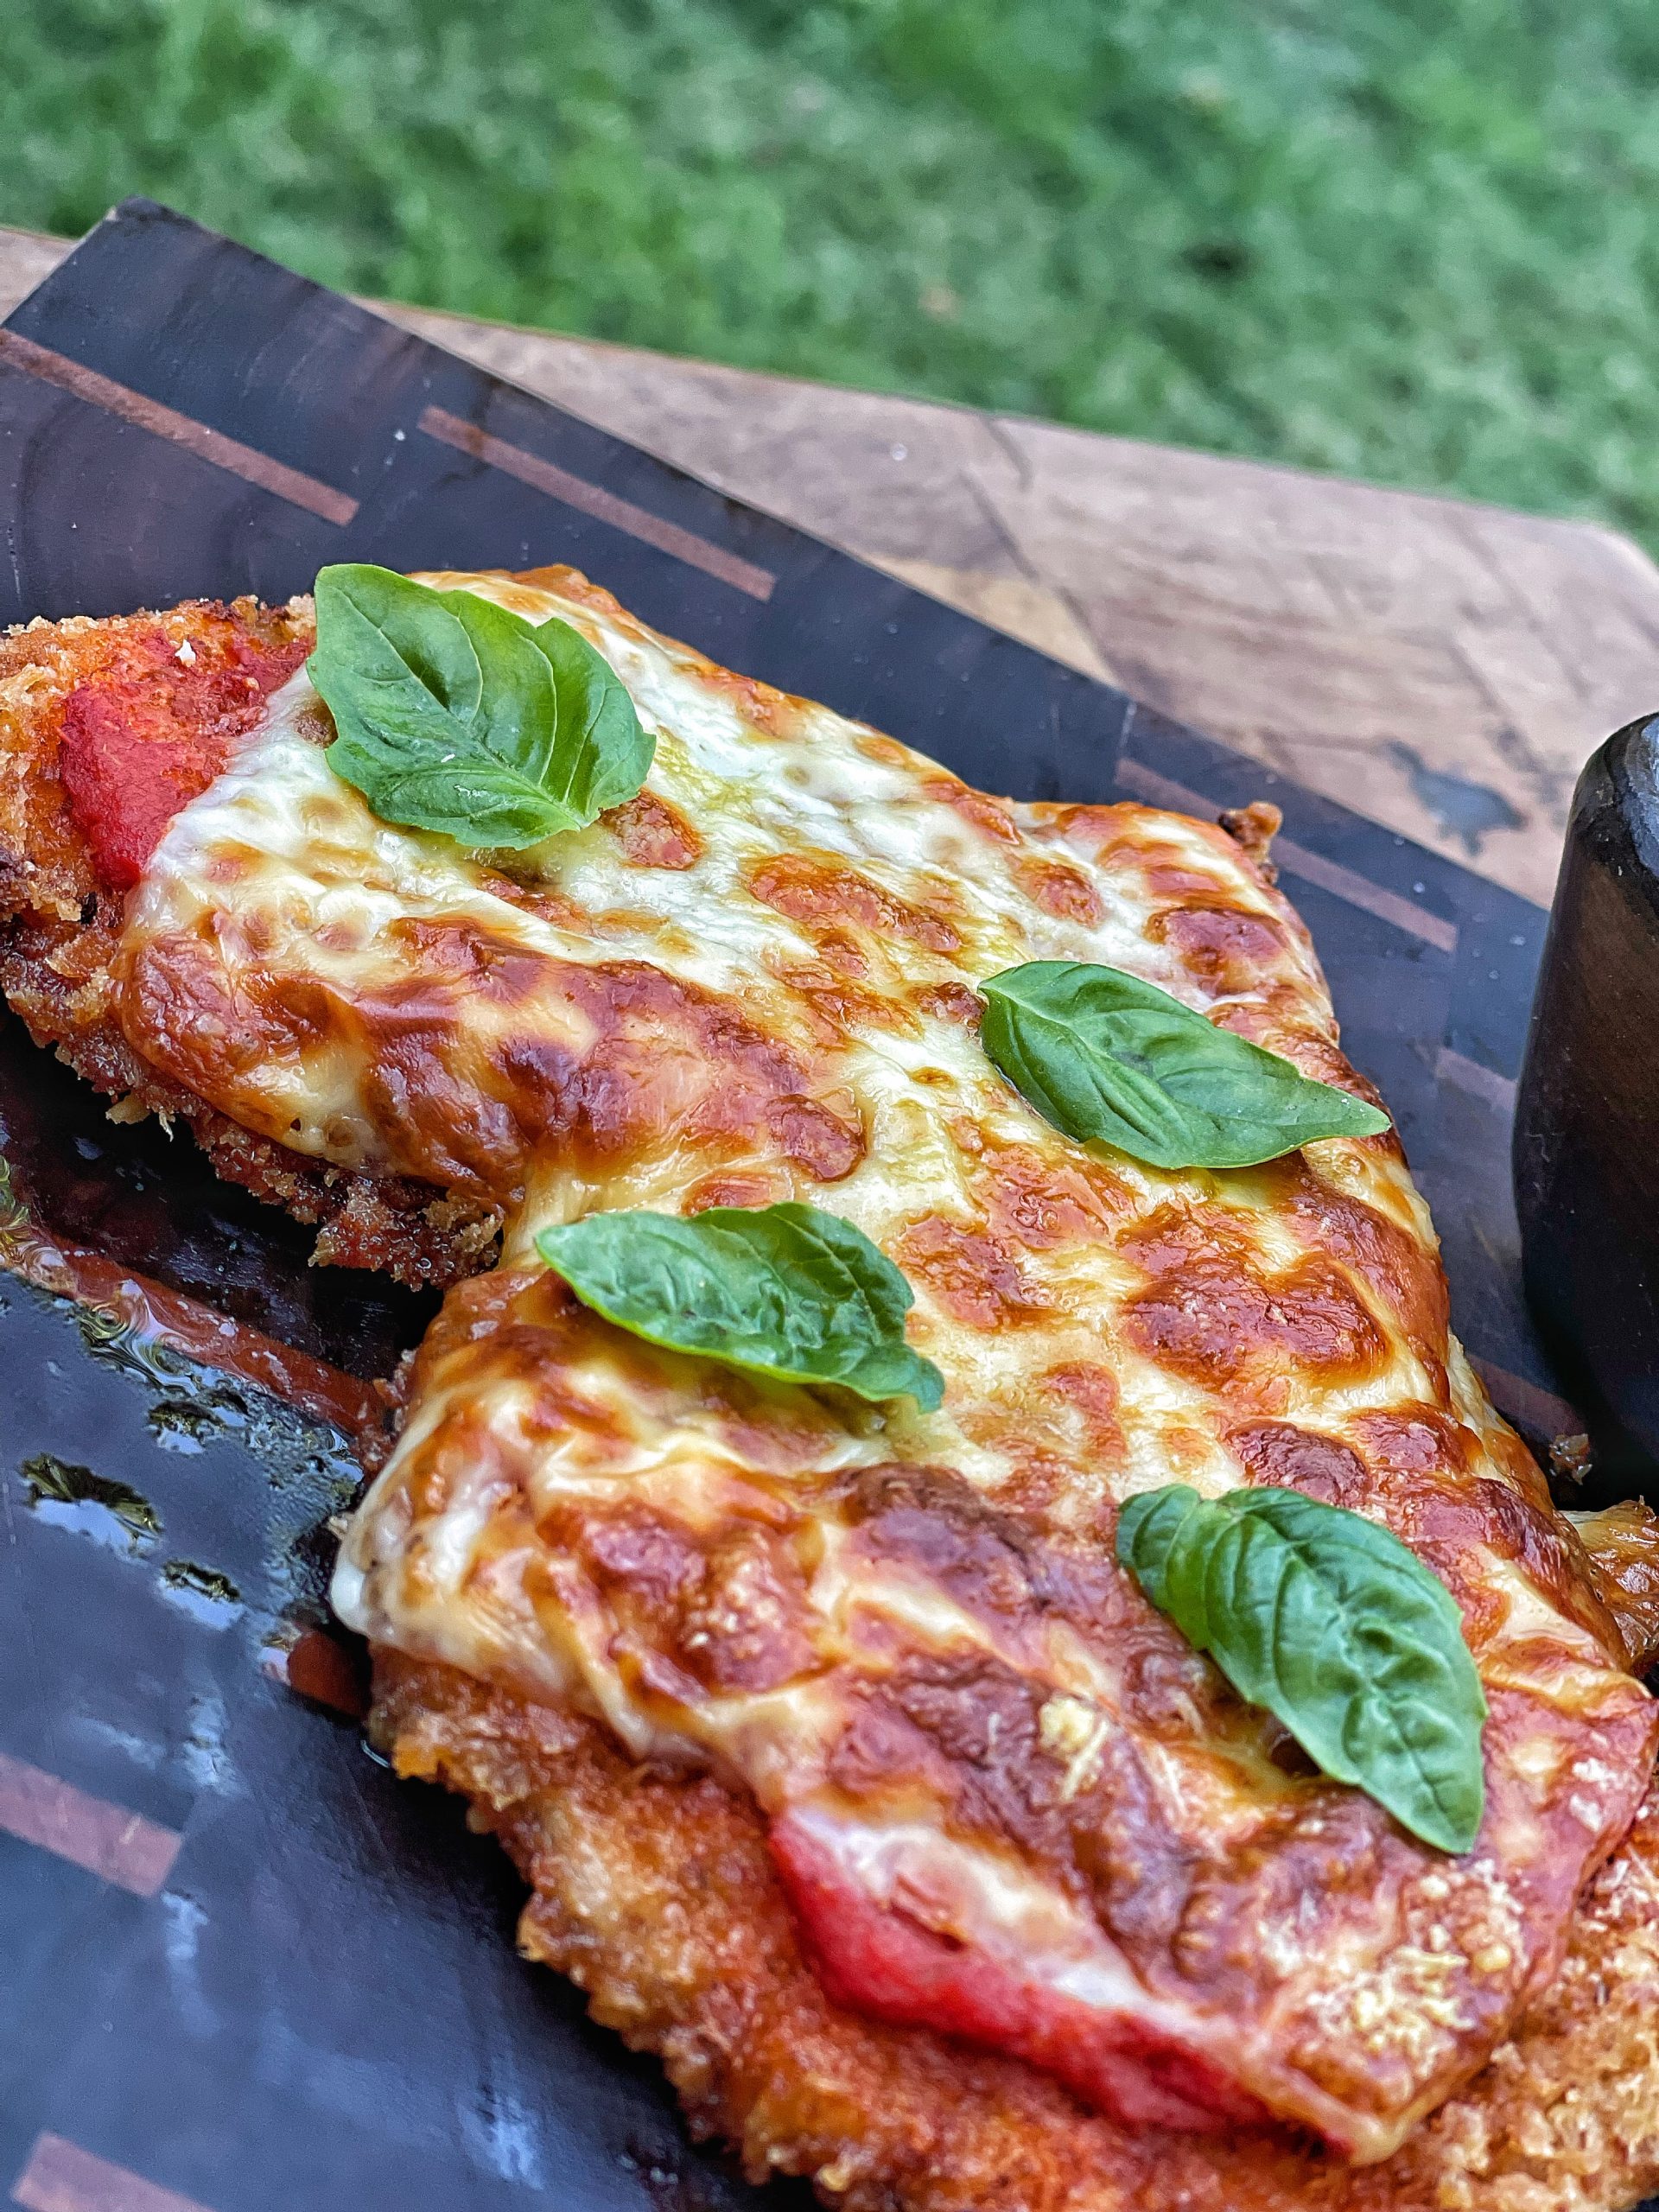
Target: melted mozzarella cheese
904 1633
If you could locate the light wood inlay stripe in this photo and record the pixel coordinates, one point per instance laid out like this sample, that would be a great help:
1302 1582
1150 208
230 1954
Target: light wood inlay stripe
145 413
62 2177
1476 1081
108 1841
1344 883
593 500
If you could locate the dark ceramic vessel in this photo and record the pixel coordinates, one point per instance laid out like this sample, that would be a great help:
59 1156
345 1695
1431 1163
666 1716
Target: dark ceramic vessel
1586 1125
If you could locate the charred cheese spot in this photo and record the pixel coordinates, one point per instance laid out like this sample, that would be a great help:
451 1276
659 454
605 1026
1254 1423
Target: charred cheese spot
1217 1323
1212 1314
950 1002
653 834
732 1615
991 817
825 892
1225 948
837 1007
771 712
1400 1269
743 1187
1092 1391
1061 889
1623 1542
1116 837
977 1281
1416 1441
1040 1204
1282 1456
1459 1528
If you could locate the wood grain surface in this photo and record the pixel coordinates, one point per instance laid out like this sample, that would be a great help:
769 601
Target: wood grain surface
1441 667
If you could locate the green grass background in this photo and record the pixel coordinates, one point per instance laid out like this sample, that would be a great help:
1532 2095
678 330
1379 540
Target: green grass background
1412 240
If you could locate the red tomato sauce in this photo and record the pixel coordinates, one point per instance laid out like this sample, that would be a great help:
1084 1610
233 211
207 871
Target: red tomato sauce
142 739
879 1962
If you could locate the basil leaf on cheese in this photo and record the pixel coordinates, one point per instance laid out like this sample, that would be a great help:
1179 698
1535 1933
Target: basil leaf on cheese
783 1290
1101 1054
1340 1630
452 714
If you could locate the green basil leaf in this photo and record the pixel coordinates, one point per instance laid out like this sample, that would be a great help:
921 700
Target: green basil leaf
780 1290
1101 1054
1338 1630
452 714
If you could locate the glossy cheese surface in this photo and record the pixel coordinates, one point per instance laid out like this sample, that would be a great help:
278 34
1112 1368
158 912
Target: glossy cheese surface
1004 1796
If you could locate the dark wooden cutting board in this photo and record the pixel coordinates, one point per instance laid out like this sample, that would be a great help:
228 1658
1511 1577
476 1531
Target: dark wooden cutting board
240 1968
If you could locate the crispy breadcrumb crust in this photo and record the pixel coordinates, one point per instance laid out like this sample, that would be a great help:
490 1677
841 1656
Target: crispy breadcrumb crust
655 1893
60 925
